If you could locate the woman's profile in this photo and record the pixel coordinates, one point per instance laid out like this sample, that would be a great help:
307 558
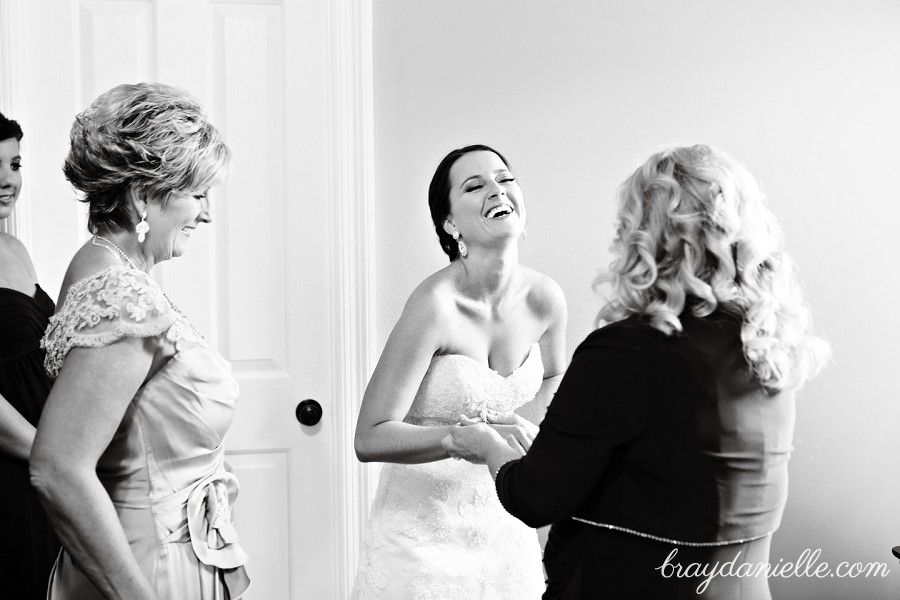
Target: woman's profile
129 456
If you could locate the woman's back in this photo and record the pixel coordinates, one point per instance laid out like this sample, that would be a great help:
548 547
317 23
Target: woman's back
707 459
695 454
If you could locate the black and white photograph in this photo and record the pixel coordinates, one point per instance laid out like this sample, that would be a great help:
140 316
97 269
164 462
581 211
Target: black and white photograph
449 299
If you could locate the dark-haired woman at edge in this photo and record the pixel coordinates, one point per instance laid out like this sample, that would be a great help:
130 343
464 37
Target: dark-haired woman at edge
27 544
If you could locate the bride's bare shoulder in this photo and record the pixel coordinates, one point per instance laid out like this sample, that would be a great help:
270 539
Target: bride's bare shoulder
435 295
545 295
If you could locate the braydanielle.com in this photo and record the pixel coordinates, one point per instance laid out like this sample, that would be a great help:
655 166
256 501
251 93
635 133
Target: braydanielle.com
807 565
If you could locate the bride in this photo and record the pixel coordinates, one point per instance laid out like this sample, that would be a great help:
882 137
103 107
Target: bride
481 340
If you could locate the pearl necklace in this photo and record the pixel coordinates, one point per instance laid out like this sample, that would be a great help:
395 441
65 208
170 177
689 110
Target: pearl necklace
122 254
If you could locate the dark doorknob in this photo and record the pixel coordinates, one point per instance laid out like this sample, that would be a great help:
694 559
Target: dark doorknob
309 412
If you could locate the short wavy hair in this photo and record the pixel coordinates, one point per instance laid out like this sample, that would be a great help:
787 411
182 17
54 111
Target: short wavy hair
9 129
149 138
439 194
693 232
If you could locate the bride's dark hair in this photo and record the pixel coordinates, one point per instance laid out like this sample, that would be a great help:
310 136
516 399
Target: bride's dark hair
9 129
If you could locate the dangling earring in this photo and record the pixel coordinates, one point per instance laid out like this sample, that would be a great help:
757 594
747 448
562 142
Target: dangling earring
524 234
463 250
142 228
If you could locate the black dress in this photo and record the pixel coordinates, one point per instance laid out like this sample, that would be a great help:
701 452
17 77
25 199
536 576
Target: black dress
28 546
654 444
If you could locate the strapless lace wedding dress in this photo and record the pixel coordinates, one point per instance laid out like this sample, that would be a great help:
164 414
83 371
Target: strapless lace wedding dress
437 530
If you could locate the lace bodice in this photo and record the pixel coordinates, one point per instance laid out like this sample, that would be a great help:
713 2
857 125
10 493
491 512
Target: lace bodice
437 530
456 385
107 306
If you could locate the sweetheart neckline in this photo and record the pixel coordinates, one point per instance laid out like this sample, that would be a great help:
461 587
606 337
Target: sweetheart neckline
488 367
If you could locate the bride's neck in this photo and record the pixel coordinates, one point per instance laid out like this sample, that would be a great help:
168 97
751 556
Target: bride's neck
488 274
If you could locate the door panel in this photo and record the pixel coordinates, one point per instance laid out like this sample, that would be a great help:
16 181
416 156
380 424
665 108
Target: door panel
262 517
280 281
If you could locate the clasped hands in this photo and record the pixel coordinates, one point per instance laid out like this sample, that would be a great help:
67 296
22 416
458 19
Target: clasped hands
474 438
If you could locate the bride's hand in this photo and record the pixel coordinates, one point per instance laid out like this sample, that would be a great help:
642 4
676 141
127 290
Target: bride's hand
493 417
511 424
471 441
517 431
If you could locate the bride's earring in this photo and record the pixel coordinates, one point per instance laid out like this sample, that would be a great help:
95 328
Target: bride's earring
524 234
142 228
463 250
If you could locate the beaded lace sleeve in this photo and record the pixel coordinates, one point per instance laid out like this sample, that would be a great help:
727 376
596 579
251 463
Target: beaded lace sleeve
103 308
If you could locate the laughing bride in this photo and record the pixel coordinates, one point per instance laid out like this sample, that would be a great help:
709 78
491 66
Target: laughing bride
481 340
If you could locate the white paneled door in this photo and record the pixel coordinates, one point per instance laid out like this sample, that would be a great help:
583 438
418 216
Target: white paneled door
279 280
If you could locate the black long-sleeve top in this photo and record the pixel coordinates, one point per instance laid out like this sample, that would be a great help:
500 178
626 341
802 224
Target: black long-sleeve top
664 435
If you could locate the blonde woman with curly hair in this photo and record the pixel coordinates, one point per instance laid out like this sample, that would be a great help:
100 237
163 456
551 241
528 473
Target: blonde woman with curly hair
662 460
129 457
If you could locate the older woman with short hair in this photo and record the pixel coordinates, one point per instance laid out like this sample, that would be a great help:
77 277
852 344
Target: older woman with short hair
668 440
129 455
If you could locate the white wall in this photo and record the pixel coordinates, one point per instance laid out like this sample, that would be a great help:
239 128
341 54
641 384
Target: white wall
577 94
49 219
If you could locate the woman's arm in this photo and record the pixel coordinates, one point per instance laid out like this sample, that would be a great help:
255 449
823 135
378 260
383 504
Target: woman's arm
16 433
551 307
381 434
82 413
600 405
482 443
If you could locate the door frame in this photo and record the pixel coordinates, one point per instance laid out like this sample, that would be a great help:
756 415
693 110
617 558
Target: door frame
350 119
352 224
19 222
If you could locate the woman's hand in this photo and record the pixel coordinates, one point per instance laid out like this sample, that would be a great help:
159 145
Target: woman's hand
481 443
509 425
472 441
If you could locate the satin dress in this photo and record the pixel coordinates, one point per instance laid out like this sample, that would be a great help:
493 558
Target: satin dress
165 467
437 530
28 546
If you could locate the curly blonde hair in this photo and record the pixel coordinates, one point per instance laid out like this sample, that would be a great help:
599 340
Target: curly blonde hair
150 138
694 232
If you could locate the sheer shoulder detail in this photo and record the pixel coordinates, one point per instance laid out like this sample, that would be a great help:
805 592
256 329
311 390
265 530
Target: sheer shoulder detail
103 308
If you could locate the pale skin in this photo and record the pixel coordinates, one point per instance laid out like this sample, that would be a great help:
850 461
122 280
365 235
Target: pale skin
88 400
478 443
485 306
